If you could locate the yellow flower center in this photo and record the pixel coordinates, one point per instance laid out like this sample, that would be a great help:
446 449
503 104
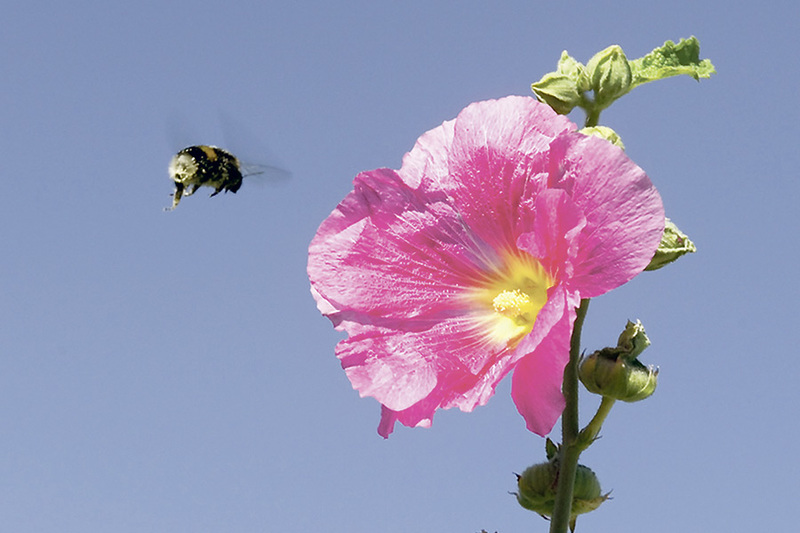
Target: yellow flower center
515 305
510 297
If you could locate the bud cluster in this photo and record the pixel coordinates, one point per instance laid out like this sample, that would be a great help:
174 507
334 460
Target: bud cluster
607 75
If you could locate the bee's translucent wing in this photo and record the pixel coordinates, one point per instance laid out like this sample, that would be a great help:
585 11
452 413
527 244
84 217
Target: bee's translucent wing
264 172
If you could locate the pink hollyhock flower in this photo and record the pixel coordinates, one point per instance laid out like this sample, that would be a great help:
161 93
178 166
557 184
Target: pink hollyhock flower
469 261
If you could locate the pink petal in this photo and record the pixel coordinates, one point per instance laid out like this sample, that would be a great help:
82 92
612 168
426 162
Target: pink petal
494 149
392 252
537 379
386 365
556 223
425 366
623 210
420 415
428 160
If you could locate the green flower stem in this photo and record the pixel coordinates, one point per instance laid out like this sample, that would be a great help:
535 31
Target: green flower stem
589 434
570 449
592 117
592 111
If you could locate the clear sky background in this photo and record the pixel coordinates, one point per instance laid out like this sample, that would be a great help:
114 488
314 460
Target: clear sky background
169 372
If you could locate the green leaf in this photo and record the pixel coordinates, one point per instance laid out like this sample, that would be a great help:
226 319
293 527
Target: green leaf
672 60
551 449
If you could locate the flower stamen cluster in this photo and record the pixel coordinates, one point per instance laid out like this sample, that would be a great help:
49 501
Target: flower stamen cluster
513 297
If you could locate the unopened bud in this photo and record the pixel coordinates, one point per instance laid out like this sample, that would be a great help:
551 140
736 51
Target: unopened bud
674 244
604 132
632 341
568 66
538 485
614 377
616 372
609 75
558 91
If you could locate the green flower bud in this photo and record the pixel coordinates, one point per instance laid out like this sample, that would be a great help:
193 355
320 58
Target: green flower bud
608 74
616 373
617 378
569 66
538 484
674 244
604 132
558 91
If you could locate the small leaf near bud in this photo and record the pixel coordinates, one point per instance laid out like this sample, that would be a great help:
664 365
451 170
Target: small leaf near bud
551 449
672 60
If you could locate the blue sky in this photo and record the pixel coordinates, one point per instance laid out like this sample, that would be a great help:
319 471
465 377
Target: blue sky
169 371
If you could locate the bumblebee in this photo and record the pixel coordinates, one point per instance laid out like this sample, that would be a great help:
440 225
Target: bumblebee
202 165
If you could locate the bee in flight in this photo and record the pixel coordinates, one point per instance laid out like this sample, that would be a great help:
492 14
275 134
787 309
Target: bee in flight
204 165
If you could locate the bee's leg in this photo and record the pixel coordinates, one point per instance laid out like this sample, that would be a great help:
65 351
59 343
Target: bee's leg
193 190
176 196
217 191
